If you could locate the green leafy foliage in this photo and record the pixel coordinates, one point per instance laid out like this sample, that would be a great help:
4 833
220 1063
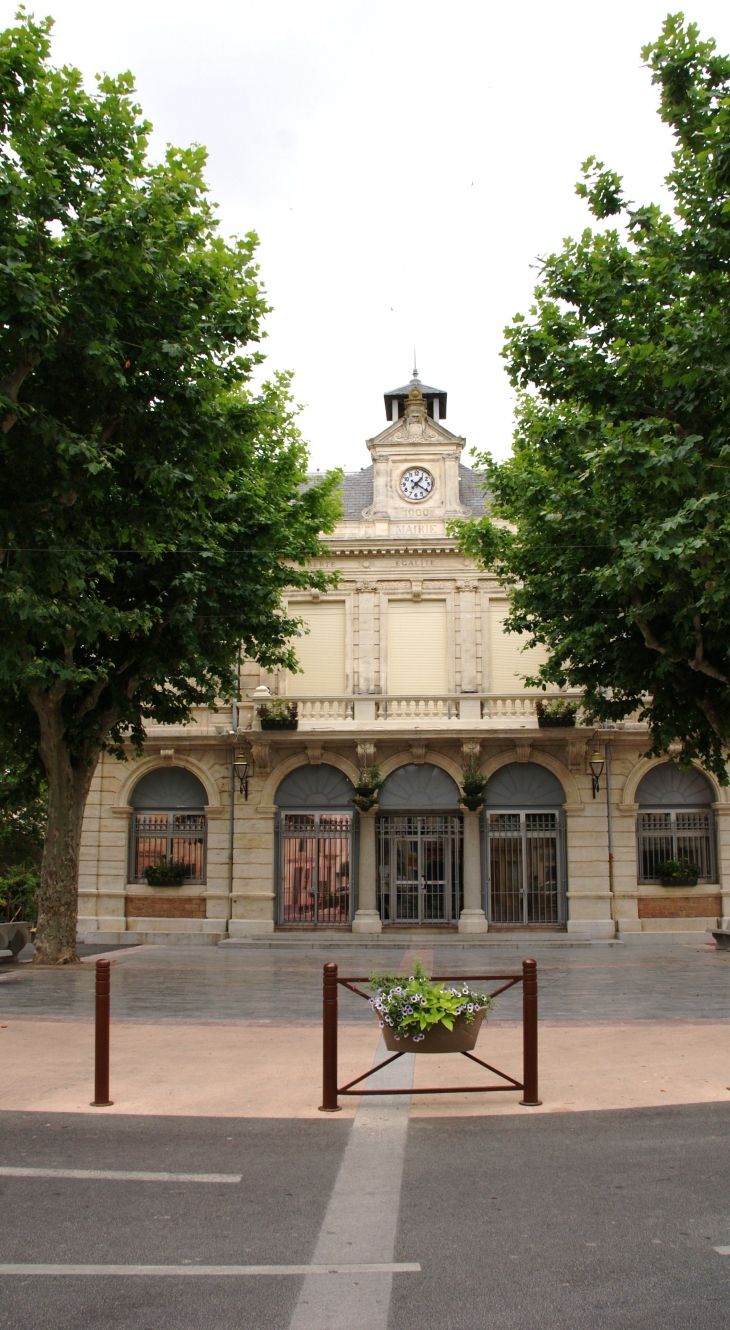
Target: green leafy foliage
278 714
153 506
18 890
679 871
473 785
557 712
412 1005
610 522
166 872
368 788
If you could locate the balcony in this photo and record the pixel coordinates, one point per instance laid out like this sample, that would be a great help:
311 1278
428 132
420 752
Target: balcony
488 711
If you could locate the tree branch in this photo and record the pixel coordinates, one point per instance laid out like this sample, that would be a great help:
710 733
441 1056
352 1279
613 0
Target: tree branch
696 662
12 384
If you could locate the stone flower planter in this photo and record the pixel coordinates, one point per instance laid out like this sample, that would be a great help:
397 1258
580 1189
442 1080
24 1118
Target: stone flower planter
462 1039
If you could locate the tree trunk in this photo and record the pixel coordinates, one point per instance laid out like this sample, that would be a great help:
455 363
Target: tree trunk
68 787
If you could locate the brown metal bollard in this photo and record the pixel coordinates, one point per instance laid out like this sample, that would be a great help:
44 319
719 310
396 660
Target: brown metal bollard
529 1035
329 1040
101 1050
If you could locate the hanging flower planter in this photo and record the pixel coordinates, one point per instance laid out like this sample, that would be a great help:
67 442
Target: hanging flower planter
473 786
367 789
461 1038
417 1015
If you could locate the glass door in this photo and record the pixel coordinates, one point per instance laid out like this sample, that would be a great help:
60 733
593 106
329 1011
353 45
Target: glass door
315 868
419 869
525 869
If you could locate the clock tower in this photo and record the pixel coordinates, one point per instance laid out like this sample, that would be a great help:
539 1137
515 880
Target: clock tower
415 466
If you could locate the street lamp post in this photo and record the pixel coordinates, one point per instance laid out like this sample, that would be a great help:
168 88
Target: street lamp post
596 764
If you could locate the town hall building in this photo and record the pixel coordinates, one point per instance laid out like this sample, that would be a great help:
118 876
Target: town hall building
406 667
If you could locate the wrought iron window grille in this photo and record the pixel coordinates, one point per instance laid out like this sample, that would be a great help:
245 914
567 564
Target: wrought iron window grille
181 837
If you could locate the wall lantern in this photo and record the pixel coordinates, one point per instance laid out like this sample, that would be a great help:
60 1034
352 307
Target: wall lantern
596 764
240 771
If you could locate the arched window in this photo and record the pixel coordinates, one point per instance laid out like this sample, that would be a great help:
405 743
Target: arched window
169 823
525 845
316 860
674 821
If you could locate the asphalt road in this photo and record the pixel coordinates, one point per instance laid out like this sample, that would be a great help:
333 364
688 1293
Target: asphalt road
583 1221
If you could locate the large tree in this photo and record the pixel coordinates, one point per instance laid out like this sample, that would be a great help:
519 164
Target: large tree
152 507
615 504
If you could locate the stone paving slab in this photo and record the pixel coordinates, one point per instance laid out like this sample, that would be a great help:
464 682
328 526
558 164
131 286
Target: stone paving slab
275 1072
160 984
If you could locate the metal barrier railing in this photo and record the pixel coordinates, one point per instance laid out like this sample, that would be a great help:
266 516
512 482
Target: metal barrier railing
528 1085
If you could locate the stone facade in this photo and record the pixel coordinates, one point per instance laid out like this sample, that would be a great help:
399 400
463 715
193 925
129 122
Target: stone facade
405 666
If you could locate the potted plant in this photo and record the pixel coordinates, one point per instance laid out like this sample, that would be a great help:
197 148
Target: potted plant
556 714
166 873
278 715
419 1016
678 873
367 789
472 787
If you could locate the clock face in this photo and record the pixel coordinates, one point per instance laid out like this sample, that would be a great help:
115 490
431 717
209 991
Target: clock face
416 484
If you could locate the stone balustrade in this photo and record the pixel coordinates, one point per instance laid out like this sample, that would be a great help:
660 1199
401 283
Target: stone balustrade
488 710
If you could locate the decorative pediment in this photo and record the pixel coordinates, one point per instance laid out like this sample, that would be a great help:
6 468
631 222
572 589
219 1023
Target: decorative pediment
414 427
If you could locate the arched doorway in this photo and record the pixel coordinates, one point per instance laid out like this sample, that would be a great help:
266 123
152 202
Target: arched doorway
420 840
674 821
316 858
525 846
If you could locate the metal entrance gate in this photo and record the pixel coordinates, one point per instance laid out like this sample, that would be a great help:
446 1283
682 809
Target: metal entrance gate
420 868
316 855
526 875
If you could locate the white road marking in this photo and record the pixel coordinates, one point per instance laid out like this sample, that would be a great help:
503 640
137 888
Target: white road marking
723 1251
364 1268
362 1214
116 1175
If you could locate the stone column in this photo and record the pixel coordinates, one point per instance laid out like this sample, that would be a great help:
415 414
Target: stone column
472 918
367 919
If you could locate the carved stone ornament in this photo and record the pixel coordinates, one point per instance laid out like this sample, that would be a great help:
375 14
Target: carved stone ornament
470 751
366 755
315 754
416 415
576 756
418 753
261 757
523 747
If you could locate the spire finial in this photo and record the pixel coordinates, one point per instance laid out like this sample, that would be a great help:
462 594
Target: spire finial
415 364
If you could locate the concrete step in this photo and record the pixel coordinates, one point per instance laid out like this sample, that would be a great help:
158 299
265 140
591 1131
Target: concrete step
157 939
398 941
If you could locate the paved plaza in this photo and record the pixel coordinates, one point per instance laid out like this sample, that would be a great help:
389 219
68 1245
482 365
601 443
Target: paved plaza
602 1208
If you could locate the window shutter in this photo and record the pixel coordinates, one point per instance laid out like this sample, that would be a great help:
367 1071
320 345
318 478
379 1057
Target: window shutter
417 647
321 653
508 661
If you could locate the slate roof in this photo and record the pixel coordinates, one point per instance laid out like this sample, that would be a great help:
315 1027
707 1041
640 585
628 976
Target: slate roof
416 383
470 491
357 492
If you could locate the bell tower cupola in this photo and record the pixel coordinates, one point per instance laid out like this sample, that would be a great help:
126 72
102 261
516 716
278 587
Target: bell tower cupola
396 399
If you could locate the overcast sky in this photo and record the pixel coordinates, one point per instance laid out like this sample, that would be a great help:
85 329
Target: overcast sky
403 163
